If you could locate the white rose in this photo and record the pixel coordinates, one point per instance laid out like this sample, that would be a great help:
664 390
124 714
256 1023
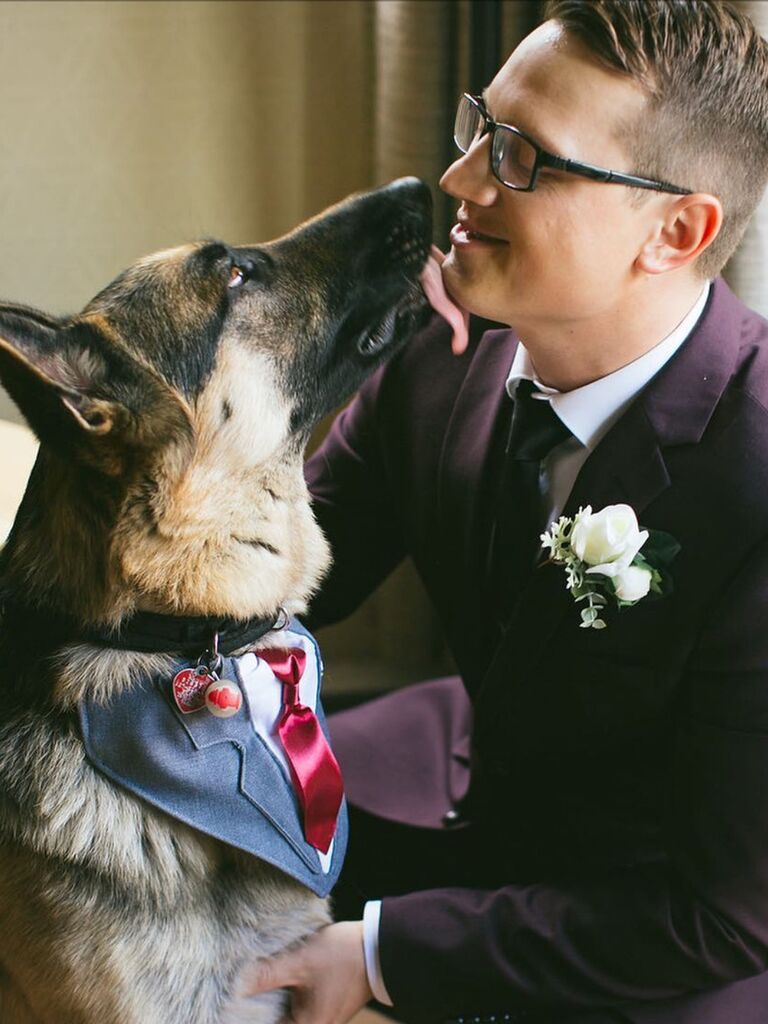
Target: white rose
632 584
607 540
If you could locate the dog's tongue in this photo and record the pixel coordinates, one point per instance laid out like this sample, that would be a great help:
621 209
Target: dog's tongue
432 283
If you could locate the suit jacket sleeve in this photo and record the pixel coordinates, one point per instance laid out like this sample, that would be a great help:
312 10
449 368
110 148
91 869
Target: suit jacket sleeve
353 505
653 931
372 485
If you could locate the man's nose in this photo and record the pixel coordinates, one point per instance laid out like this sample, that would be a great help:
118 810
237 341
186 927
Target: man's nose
470 178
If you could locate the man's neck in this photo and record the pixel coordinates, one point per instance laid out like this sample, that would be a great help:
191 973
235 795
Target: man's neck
568 355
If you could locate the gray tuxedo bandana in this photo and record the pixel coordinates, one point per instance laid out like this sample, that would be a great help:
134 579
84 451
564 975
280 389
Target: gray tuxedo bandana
224 776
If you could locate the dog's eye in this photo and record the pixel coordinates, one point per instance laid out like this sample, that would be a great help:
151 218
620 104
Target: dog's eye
251 268
236 276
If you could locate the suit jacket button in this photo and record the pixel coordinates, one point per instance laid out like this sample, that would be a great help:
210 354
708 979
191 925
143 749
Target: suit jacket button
451 818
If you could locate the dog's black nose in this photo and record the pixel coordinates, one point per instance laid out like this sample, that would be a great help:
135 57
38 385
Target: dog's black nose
411 191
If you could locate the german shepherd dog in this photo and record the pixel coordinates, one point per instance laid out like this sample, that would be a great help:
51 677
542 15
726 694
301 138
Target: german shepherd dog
173 414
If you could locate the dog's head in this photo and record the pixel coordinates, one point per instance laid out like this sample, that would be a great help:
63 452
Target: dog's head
175 407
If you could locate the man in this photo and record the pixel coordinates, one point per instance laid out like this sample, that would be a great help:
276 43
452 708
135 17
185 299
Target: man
609 860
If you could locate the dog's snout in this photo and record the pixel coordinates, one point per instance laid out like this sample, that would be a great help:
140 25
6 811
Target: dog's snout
411 190
412 204
408 239
407 243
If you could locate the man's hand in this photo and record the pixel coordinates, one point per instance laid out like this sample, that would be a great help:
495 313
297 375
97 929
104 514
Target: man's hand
326 975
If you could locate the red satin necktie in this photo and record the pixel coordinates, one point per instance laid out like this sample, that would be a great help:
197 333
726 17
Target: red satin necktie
315 771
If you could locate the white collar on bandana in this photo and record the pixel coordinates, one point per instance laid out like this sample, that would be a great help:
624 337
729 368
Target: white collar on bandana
265 691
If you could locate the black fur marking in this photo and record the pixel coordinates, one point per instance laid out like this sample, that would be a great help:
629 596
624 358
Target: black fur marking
226 410
28 313
182 348
256 543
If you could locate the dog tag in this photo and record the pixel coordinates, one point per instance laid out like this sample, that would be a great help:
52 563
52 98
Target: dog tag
223 699
189 688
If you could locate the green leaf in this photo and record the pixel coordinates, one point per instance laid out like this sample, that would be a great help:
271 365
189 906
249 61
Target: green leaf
662 584
660 549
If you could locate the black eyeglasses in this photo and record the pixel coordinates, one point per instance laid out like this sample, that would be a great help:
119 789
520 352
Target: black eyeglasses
516 159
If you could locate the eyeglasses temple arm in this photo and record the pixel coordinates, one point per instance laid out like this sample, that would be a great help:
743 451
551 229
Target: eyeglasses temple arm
616 177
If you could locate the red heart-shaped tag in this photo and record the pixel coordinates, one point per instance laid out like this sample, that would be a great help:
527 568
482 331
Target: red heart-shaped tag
189 688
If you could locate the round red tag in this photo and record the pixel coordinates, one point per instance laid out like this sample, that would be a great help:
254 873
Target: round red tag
223 700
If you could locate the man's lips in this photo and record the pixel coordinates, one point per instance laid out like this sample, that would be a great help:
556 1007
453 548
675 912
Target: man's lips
464 233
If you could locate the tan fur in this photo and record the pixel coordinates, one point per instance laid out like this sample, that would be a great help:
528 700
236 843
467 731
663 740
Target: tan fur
241 487
83 670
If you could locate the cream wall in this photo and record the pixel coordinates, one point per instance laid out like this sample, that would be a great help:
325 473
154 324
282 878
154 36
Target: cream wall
132 126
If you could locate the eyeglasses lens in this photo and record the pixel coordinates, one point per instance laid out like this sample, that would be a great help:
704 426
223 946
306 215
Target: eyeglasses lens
512 158
469 126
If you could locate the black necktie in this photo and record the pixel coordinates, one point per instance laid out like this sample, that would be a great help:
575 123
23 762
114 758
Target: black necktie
534 430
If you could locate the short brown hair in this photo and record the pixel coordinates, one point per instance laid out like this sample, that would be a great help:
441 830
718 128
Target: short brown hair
704 68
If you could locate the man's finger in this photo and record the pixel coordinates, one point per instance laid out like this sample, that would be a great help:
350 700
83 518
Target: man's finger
274 972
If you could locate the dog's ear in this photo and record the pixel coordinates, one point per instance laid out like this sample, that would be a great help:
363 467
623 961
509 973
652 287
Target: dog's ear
72 384
54 373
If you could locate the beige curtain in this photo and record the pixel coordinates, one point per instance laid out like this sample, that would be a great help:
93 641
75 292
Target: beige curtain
422 65
747 270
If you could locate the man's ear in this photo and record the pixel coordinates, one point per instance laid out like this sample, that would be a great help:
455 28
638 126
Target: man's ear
690 224
55 373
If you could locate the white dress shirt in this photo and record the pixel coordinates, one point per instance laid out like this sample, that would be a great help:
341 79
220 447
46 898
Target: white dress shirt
589 412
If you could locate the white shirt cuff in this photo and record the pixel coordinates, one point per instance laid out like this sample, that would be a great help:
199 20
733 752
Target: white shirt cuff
371 917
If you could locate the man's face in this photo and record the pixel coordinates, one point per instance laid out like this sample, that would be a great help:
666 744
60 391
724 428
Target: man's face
566 251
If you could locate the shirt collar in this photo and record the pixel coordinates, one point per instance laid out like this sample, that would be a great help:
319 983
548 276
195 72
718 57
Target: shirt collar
590 411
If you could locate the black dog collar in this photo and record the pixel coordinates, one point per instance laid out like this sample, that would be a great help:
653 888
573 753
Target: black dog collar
152 633
146 632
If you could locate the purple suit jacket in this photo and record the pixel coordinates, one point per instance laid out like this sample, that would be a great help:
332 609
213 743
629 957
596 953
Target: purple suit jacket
626 769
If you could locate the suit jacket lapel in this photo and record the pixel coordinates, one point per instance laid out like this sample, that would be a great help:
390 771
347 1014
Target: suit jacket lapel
464 460
628 466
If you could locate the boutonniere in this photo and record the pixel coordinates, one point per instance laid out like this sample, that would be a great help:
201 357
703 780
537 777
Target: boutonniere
601 552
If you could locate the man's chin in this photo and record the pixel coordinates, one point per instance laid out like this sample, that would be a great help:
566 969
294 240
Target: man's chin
461 282
467 287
